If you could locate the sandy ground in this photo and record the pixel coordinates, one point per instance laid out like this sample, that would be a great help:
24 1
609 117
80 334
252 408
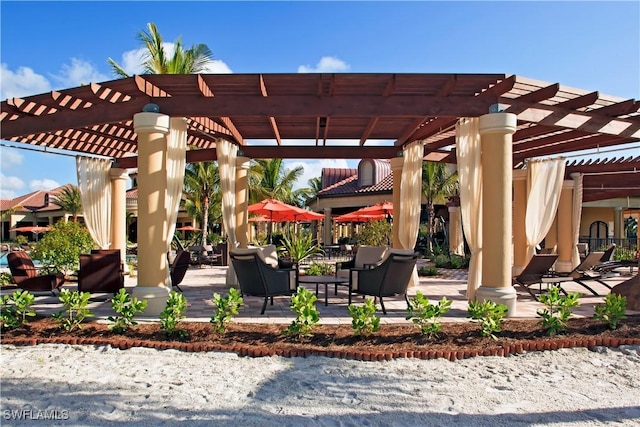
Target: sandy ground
102 386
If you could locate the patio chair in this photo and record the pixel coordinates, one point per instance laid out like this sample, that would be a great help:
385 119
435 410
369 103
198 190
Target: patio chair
389 278
25 275
365 257
538 272
101 271
257 277
178 268
585 271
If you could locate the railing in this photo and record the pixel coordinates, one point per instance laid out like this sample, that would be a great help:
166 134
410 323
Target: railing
603 242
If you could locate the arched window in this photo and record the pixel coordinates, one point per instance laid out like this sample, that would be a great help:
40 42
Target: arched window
598 232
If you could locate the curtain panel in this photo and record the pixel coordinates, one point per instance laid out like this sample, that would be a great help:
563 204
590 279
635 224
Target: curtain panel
227 155
176 160
544 178
410 194
470 179
95 192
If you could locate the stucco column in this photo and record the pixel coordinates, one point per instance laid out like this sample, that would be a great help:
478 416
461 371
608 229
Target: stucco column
152 130
118 179
396 168
456 239
327 237
242 201
618 223
496 132
564 218
519 214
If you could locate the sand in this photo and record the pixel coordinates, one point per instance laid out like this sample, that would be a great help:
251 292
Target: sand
103 386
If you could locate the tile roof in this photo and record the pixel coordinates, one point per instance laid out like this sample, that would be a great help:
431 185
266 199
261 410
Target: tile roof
349 186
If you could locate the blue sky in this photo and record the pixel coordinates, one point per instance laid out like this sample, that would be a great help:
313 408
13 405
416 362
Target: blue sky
55 45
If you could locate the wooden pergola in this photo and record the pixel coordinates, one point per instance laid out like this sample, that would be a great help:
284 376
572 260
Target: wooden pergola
349 116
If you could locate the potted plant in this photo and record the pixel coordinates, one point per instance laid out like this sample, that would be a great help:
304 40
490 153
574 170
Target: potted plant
296 248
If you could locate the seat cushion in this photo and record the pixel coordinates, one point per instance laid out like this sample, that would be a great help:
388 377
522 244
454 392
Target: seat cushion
269 255
369 255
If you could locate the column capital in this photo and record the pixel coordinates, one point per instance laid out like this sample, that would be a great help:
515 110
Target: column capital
396 163
243 162
151 122
118 173
498 123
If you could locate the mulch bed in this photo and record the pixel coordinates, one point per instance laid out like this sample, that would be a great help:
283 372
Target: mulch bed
455 341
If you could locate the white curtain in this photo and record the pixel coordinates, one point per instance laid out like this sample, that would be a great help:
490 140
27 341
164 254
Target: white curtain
545 178
95 192
176 159
227 154
410 194
470 179
577 217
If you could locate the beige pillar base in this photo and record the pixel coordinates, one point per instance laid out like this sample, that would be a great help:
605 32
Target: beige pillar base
563 266
156 297
506 296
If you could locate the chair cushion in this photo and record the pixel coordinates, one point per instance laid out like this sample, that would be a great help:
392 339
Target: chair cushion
369 255
269 255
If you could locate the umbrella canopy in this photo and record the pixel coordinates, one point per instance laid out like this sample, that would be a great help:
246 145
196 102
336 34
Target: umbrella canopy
187 228
380 208
31 228
358 217
275 210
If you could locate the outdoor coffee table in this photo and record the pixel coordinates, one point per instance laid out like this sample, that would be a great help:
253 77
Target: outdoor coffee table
326 281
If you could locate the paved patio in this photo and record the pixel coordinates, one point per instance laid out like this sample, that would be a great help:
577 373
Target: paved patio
201 282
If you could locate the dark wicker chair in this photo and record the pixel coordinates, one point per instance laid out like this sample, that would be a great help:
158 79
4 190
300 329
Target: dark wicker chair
257 278
178 268
101 271
389 278
25 275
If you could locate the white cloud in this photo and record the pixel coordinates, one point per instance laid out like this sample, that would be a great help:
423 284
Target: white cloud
313 168
77 73
22 82
10 158
327 64
11 186
43 184
132 61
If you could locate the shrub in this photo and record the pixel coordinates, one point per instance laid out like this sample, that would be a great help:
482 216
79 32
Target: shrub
427 315
320 269
75 311
457 261
558 309
299 247
490 316
303 305
428 271
61 247
126 308
612 311
363 318
173 314
375 233
441 261
15 308
6 278
226 308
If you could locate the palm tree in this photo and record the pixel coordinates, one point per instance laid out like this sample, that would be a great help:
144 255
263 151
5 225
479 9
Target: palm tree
202 188
191 61
6 215
69 200
315 186
270 180
437 183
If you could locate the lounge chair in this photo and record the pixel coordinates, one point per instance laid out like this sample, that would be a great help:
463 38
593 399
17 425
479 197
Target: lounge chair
538 272
585 271
389 278
25 275
178 268
257 277
101 271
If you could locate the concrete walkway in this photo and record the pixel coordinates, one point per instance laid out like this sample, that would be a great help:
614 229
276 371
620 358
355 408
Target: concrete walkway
201 282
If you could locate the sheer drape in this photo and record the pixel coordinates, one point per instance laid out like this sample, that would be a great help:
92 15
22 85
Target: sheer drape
577 217
545 179
470 179
227 154
95 192
410 194
176 159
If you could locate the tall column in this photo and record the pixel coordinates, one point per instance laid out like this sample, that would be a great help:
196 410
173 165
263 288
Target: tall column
564 217
496 132
519 215
242 201
618 223
153 277
119 178
327 236
396 168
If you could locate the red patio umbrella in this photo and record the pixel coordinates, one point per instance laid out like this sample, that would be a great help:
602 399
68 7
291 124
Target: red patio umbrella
380 208
275 210
35 229
187 228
